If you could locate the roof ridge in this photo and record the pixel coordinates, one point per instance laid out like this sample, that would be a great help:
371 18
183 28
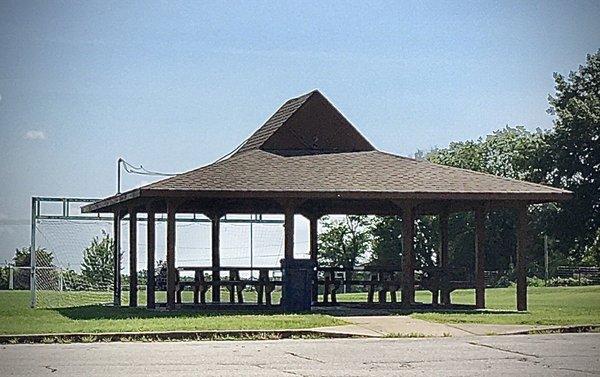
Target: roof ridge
272 124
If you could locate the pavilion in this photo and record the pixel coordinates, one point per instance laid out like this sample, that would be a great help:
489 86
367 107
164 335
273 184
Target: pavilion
308 159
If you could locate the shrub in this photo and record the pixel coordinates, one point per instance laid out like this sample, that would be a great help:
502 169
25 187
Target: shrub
569 282
535 282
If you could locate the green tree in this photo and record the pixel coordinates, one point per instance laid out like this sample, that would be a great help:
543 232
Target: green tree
98 261
342 243
571 160
387 242
43 258
510 152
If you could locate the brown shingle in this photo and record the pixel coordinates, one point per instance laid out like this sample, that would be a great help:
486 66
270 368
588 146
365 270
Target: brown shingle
370 171
273 123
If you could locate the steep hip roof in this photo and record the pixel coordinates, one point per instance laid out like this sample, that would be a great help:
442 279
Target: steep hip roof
307 149
308 124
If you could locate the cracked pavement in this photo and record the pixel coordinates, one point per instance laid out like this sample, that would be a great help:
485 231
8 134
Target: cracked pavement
531 355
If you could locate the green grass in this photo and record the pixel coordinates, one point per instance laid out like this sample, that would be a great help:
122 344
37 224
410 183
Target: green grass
76 314
546 306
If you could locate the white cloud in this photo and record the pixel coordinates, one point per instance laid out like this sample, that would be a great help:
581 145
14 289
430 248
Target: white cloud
35 135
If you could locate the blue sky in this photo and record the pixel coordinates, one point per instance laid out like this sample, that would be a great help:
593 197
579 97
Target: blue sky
175 85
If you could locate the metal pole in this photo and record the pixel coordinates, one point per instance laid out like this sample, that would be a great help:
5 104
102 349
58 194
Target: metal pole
32 252
11 285
60 280
546 256
119 175
251 250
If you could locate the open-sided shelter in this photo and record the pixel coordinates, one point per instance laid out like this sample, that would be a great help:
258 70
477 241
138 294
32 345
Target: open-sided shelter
308 159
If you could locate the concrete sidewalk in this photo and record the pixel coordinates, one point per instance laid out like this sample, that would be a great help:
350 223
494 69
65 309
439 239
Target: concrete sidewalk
404 325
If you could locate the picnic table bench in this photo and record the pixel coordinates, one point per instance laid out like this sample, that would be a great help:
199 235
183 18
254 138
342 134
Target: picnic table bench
444 281
389 280
235 285
379 280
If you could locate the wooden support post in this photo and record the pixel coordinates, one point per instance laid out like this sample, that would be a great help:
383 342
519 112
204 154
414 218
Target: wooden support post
133 280
171 273
260 288
117 259
197 275
520 265
408 255
314 250
480 258
289 231
215 256
314 238
444 258
151 262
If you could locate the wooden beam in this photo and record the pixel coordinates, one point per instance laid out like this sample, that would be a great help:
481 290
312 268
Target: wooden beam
444 257
215 255
480 258
117 259
520 265
151 262
171 273
289 231
408 254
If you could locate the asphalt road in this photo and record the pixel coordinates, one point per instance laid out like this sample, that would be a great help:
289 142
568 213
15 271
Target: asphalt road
537 355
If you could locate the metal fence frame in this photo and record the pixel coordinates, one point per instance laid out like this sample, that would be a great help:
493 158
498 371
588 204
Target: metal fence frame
37 214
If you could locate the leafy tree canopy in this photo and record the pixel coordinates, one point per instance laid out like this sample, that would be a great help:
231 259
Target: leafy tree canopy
343 242
43 257
571 159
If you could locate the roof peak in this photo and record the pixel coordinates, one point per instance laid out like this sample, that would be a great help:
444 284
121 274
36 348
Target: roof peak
307 124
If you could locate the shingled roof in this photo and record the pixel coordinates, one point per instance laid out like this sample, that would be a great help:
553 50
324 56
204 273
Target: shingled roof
309 124
308 149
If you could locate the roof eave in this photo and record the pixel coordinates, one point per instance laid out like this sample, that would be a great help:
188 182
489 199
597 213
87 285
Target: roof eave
112 203
107 204
524 196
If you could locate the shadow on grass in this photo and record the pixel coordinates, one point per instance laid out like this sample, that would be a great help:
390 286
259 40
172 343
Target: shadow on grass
90 312
94 312
361 309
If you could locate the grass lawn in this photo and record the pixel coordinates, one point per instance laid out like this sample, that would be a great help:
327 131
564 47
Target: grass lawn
77 315
546 306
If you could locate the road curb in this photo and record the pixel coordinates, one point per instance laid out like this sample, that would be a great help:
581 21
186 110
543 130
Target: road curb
149 336
191 335
556 330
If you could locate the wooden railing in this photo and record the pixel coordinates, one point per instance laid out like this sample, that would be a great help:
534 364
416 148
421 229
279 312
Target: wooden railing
265 283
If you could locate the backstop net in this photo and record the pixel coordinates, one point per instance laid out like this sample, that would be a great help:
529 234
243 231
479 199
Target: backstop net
74 251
